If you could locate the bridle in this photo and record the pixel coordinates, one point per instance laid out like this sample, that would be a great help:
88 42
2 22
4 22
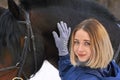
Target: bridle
28 38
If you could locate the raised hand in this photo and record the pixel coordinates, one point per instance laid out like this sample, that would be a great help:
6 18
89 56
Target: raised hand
62 40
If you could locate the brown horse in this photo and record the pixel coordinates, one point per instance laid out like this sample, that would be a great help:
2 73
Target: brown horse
26 32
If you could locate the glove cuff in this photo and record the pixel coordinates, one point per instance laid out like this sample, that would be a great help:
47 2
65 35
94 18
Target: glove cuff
63 52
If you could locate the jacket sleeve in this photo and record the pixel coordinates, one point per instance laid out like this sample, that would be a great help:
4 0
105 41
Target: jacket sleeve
64 65
95 78
110 78
116 72
92 77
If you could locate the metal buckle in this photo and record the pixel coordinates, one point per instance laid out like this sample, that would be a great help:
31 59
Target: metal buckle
17 78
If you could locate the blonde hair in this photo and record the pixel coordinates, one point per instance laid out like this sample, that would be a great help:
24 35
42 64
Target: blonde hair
100 44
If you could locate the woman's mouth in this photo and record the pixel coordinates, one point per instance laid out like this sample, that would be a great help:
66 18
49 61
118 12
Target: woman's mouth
81 55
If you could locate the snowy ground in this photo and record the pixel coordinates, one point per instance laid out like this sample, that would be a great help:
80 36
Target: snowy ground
47 72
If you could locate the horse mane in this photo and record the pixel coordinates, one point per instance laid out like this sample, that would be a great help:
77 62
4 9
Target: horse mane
10 33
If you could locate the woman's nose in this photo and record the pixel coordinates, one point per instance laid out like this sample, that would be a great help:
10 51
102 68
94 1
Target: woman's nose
80 47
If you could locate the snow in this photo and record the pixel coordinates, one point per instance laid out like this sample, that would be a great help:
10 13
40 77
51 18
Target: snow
47 72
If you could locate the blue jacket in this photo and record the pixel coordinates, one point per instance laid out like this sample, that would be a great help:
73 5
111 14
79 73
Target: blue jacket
69 72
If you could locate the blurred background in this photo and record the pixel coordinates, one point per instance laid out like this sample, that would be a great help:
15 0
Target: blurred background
112 5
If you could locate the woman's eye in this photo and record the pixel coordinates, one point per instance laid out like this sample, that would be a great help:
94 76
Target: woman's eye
76 42
87 43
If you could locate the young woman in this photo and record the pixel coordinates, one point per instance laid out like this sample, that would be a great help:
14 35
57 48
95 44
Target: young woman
90 55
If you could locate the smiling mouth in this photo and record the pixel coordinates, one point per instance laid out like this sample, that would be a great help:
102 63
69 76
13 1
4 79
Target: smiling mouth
81 55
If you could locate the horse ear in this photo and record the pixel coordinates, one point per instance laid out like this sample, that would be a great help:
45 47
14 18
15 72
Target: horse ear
15 10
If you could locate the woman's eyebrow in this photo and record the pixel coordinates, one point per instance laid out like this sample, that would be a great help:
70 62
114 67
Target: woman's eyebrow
87 40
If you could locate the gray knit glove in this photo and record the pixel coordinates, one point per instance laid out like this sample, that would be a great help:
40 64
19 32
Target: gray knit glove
62 41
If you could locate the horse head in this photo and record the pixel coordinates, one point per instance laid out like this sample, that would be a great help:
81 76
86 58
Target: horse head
21 56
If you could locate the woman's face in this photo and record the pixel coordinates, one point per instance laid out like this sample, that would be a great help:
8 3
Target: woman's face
82 45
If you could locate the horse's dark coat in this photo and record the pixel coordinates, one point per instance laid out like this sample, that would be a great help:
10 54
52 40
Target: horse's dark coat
49 12
2 10
44 14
